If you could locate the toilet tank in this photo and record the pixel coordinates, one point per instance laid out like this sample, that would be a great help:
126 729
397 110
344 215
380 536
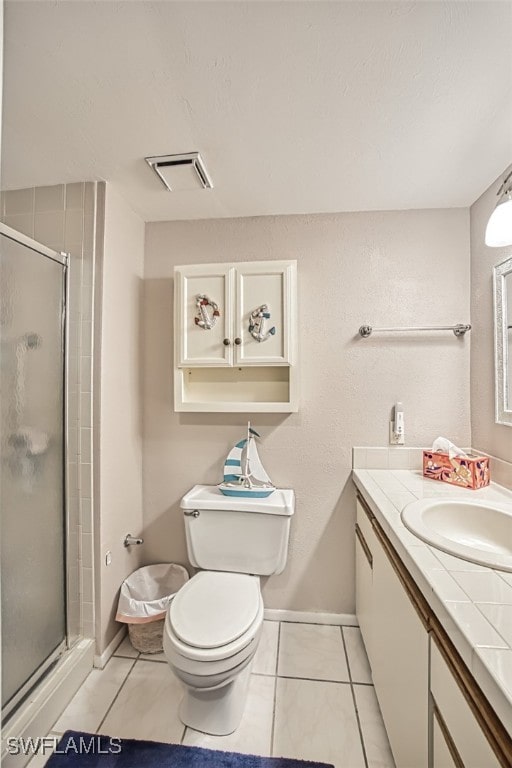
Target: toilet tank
240 535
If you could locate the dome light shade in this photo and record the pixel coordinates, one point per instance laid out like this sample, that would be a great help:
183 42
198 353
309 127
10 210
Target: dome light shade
499 227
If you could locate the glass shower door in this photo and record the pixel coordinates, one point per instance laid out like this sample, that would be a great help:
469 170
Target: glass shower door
32 450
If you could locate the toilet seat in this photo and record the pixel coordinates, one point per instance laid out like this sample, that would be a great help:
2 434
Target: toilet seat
215 608
192 618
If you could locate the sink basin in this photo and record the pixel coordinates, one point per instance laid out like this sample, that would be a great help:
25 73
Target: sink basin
480 532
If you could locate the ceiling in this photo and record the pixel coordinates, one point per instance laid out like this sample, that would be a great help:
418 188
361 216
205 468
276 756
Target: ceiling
296 107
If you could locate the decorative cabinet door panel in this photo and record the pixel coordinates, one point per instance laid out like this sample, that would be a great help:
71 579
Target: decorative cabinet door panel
264 313
205 316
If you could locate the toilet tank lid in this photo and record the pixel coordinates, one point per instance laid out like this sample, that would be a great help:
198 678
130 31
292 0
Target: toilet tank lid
280 502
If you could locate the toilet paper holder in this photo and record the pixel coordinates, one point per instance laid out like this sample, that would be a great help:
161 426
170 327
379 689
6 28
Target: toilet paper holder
129 540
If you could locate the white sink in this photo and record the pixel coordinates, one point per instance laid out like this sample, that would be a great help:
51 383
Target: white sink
480 532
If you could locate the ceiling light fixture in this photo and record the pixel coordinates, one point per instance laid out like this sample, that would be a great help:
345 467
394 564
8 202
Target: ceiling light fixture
499 226
181 172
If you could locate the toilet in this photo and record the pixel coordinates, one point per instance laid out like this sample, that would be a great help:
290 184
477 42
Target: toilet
213 624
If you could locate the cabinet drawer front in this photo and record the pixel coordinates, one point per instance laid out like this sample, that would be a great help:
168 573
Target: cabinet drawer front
273 285
195 345
473 747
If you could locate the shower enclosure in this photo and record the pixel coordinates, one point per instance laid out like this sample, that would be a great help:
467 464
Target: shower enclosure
33 290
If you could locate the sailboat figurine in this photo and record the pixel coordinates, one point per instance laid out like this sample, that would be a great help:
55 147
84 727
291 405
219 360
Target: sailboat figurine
243 471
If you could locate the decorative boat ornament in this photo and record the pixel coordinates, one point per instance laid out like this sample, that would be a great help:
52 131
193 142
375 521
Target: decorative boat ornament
243 471
257 322
207 312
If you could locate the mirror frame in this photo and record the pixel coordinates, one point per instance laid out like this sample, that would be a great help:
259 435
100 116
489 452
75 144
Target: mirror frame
502 363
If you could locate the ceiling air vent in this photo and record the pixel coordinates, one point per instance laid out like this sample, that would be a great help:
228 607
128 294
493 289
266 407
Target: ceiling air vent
181 172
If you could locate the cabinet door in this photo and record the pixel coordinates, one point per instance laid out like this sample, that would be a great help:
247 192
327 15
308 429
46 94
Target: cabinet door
196 345
464 731
441 755
271 286
399 665
364 577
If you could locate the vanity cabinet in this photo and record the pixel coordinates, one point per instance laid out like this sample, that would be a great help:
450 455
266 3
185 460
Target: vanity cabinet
235 337
397 647
435 714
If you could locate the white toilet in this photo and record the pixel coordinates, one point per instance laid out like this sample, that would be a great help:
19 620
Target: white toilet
213 624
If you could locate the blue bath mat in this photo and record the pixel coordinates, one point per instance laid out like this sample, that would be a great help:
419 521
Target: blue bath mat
87 750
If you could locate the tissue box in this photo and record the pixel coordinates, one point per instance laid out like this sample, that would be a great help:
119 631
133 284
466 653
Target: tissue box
471 472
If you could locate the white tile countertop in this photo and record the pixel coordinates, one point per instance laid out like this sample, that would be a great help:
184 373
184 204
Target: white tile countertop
473 602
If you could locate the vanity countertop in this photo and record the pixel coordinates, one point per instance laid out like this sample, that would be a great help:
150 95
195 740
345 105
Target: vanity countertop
473 602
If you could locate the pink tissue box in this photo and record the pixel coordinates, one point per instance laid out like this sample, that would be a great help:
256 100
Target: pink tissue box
472 472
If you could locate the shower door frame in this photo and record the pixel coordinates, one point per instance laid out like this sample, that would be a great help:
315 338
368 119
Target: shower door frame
63 259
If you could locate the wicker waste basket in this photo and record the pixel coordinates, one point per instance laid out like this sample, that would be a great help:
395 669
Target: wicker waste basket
143 601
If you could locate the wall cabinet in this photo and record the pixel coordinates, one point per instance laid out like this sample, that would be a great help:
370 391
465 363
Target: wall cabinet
435 714
236 337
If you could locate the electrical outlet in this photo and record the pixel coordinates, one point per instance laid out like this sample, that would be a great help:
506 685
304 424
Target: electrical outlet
395 439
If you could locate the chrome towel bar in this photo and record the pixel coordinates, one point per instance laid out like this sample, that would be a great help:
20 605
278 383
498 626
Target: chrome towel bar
458 330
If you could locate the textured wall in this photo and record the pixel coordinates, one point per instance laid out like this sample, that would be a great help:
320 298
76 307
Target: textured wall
118 451
492 438
391 268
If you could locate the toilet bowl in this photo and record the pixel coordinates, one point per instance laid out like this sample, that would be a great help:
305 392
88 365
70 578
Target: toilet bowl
211 634
214 622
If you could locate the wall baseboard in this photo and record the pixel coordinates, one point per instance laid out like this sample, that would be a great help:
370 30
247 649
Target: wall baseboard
101 659
311 617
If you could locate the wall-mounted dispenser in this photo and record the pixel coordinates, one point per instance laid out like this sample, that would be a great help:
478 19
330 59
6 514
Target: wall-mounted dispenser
397 426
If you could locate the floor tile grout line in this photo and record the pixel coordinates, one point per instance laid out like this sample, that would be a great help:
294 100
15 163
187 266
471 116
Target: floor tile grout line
314 679
356 711
357 682
153 661
312 623
116 696
272 730
277 649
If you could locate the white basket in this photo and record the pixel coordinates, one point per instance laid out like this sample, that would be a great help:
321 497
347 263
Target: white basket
147 638
146 594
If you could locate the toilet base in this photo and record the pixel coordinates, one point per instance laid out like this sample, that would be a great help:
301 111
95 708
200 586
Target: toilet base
218 711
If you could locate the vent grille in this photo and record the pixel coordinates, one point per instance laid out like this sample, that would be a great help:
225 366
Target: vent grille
181 172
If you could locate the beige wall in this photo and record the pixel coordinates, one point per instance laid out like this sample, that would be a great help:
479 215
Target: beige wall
118 456
391 268
495 439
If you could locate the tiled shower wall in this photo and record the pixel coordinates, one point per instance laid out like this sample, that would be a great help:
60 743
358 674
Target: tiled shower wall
63 218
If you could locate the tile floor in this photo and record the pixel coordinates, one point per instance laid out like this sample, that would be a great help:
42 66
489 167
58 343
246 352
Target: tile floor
310 697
